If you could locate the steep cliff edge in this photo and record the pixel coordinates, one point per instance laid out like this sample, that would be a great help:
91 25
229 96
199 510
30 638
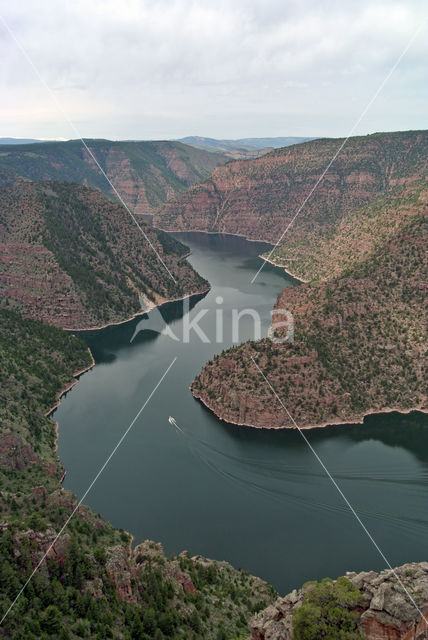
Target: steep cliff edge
73 258
259 198
383 609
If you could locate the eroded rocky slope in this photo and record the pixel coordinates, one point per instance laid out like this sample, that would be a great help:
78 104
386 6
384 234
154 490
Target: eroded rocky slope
259 198
146 174
71 257
355 237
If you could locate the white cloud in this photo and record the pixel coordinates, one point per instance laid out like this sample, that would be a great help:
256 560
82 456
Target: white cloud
161 68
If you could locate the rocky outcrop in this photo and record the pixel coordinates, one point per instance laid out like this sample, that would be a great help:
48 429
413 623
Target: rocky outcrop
119 570
42 544
385 612
15 454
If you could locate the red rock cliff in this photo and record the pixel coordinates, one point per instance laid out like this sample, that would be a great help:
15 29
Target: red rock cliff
386 613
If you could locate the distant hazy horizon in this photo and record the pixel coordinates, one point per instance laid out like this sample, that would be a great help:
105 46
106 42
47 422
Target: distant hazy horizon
180 139
166 69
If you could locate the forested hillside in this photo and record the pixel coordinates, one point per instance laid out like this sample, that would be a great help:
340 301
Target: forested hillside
73 258
92 584
146 174
359 345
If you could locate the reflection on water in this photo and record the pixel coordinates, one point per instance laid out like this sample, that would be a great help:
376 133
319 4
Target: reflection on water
105 343
256 498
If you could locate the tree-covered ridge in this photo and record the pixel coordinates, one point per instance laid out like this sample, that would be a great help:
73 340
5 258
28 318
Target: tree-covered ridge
359 346
146 174
73 258
37 361
355 237
92 584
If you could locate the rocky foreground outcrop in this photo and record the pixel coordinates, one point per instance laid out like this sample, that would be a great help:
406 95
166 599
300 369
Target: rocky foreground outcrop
385 612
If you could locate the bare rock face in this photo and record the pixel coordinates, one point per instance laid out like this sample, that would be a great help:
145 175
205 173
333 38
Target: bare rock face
14 454
42 544
386 611
118 569
258 198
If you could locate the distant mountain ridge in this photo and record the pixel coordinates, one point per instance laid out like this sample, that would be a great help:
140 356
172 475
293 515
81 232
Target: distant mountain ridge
244 143
243 148
19 140
146 174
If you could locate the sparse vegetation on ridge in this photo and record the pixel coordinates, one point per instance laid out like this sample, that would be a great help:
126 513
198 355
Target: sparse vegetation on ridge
359 346
258 198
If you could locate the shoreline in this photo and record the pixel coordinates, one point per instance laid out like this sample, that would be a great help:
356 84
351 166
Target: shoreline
67 388
280 266
138 313
333 423
215 233
239 235
152 306
59 395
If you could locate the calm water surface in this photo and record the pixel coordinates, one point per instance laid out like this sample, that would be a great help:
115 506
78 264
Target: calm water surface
256 498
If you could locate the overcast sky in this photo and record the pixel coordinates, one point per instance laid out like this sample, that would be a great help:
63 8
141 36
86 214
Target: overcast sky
227 69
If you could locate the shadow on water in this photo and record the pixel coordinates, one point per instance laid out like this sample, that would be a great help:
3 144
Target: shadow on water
100 341
409 431
406 431
225 244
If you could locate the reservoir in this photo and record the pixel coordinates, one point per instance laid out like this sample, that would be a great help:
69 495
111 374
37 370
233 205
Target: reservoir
259 499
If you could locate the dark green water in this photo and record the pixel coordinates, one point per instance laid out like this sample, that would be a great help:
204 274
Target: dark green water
258 499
